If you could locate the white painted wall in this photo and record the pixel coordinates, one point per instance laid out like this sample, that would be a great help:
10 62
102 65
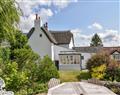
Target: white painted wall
86 56
71 45
40 45
57 50
64 45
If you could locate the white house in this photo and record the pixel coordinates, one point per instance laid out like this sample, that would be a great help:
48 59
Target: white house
52 43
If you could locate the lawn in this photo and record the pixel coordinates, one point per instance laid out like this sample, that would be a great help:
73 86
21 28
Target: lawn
69 76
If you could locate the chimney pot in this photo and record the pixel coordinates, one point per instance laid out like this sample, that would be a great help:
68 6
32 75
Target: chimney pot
36 16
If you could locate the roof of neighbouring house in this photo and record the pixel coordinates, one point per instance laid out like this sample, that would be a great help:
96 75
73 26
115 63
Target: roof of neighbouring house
56 37
111 50
62 37
87 49
90 49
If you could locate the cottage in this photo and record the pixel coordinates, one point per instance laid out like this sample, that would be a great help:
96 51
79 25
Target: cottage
54 43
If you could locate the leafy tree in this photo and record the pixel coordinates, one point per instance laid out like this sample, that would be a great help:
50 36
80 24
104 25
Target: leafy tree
9 17
96 41
22 69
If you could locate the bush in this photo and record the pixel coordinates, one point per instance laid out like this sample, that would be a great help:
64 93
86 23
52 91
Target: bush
98 72
47 70
101 66
84 75
113 71
97 60
114 87
26 74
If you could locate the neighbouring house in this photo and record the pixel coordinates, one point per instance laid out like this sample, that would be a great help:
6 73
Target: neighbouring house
56 44
88 51
114 52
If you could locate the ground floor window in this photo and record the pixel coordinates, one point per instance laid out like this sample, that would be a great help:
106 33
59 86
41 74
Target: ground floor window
70 58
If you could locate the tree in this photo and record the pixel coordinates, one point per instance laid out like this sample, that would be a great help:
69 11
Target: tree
21 68
9 17
96 41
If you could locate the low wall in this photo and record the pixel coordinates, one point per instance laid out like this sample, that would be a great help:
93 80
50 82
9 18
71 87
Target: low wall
69 66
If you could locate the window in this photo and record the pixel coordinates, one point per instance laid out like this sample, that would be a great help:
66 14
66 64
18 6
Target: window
116 56
71 58
40 35
82 57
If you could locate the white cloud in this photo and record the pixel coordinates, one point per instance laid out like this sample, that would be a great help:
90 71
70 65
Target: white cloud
109 37
28 6
61 3
95 25
26 23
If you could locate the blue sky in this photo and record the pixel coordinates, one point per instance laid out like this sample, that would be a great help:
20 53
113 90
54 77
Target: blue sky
82 14
82 17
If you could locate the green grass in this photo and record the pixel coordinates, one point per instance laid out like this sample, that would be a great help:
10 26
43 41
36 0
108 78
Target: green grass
74 76
69 76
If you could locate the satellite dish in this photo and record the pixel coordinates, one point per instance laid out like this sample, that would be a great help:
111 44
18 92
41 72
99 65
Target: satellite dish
2 83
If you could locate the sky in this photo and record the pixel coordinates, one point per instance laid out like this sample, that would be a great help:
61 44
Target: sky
83 18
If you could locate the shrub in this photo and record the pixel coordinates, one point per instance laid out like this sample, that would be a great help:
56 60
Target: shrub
85 75
112 71
114 87
101 66
97 60
98 72
47 70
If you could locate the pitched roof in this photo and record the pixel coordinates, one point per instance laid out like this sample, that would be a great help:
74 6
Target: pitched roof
62 37
47 33
89 49
111 50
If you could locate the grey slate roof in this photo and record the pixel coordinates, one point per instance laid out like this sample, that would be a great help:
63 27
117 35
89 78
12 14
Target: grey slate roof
62 37
87 49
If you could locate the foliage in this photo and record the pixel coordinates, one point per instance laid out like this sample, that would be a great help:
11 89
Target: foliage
47 70
84 75
20 40
22 69
112 71
9 17
101 66
96 41
13 78
98 72
115 87
98 60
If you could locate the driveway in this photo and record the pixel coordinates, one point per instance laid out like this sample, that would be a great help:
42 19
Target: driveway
79 88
